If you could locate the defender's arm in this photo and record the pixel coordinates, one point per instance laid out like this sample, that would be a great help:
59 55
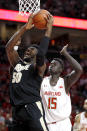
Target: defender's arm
71 78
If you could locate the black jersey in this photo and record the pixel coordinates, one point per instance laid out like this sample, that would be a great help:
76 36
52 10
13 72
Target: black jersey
24 84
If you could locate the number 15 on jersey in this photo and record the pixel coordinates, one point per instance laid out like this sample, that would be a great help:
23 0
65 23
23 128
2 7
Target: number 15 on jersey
52 103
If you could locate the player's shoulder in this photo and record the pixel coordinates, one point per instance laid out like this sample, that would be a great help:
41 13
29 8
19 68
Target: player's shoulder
61 79
77 118
45 80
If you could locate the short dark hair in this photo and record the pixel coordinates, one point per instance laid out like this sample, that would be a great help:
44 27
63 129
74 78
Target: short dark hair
60 61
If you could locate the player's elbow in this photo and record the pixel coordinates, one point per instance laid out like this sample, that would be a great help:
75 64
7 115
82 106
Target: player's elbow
80 70
7 47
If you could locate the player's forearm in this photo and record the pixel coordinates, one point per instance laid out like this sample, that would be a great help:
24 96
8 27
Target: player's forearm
48 31
75 65
43 47
12 42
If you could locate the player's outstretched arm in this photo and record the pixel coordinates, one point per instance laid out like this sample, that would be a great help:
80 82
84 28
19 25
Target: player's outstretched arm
77 69
76 126
43 47
12 54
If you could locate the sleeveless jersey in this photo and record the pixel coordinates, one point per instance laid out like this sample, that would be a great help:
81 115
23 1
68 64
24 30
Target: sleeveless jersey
24 84
83 121
56 102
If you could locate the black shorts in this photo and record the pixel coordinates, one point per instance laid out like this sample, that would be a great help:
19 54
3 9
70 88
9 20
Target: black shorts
29 117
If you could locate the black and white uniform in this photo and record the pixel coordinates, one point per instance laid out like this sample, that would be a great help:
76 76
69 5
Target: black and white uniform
25 83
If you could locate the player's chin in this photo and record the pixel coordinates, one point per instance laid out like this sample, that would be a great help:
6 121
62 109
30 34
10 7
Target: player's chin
52 71
27 59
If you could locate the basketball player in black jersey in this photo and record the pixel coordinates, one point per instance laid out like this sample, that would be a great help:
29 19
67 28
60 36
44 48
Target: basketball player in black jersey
26 78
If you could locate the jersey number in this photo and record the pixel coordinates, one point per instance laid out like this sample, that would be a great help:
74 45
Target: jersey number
52 103
16 77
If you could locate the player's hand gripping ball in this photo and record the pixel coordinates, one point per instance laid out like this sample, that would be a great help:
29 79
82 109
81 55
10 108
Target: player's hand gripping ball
40 19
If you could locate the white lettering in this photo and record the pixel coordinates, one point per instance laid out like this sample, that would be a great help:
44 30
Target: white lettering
16 77
20 67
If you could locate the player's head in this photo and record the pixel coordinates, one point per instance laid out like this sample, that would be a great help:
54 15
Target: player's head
31 52
85 105
56 66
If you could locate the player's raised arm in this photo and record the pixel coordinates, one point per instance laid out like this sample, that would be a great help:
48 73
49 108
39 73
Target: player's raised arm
77 69
49 25
76 126
12 54
43 47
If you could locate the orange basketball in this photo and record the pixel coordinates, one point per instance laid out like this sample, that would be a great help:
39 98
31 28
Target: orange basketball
39 21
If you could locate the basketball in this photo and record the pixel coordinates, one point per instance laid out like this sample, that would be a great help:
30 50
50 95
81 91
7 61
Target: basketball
39 19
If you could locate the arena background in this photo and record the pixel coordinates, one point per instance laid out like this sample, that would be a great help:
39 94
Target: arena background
69 31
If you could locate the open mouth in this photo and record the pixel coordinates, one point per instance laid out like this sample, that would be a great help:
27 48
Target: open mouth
27 59
29 55
52 69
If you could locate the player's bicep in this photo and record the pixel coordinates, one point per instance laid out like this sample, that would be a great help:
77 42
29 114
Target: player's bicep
71 78
13 57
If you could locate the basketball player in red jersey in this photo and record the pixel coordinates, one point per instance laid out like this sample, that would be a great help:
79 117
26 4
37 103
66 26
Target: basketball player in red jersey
55 93
25 80
81 120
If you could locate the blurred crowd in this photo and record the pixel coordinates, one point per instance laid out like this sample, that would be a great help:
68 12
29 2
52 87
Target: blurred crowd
66 8
78 92
5 107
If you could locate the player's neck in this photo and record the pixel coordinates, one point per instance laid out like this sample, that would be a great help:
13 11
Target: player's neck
29 60
54 79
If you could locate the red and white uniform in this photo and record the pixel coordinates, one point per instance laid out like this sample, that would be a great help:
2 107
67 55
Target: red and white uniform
57 105
83 121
